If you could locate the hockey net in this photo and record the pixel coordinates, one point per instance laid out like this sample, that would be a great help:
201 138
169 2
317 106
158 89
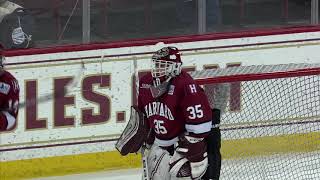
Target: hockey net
270 122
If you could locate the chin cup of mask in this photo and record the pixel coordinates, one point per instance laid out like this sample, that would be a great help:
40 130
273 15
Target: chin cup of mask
160 89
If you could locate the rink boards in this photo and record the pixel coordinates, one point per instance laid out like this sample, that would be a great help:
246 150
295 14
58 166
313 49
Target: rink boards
77 133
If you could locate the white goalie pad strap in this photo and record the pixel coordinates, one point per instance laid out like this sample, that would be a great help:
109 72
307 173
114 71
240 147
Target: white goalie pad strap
199 128
166 143
159 90
10 119
177 167
198 169
181 167
134 135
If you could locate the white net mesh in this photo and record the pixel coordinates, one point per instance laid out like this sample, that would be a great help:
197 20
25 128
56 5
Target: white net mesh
271 122
252 70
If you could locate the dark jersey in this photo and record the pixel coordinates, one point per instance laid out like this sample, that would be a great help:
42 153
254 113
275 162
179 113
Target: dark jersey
9 95
183 108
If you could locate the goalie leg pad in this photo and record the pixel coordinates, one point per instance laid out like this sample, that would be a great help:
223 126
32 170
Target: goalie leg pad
135 133
158 163
190 158
181 167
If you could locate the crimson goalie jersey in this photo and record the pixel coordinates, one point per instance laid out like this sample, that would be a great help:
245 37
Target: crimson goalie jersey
9 96
183 108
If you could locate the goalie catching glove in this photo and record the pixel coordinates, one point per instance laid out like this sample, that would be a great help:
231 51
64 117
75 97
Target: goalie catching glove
190 158
135 133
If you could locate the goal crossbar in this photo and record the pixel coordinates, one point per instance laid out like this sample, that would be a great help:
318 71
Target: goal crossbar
254 72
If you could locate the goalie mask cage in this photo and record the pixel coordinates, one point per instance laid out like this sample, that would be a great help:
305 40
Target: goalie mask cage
270 121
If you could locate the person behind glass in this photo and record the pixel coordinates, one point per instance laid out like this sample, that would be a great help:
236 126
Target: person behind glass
9 98
16 26
214 15
186 11
179 115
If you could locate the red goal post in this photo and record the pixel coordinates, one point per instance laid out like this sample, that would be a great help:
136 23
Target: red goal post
275 131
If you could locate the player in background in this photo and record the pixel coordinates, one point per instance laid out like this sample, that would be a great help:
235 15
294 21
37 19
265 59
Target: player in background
16 26
9 98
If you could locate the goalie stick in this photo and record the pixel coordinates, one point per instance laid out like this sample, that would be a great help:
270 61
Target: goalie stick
143 149
60 94
145 173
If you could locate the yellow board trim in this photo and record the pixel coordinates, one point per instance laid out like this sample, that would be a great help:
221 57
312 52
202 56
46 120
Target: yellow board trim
269 145
231 149
63 165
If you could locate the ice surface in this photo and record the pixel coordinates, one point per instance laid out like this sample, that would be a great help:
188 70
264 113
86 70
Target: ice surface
298 166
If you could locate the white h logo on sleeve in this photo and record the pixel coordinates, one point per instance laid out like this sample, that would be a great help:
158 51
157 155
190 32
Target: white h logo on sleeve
193 88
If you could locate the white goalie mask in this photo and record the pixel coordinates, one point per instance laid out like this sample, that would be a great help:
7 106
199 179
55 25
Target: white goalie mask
166 63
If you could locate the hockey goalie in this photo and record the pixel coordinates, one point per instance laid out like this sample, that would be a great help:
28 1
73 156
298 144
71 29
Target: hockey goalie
173 119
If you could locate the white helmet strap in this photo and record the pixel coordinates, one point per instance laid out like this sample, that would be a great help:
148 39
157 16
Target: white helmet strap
160 89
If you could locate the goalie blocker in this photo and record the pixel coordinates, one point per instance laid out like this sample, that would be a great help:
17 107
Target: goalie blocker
135 133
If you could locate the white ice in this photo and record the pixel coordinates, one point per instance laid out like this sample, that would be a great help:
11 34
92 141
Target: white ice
298 166
126 174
